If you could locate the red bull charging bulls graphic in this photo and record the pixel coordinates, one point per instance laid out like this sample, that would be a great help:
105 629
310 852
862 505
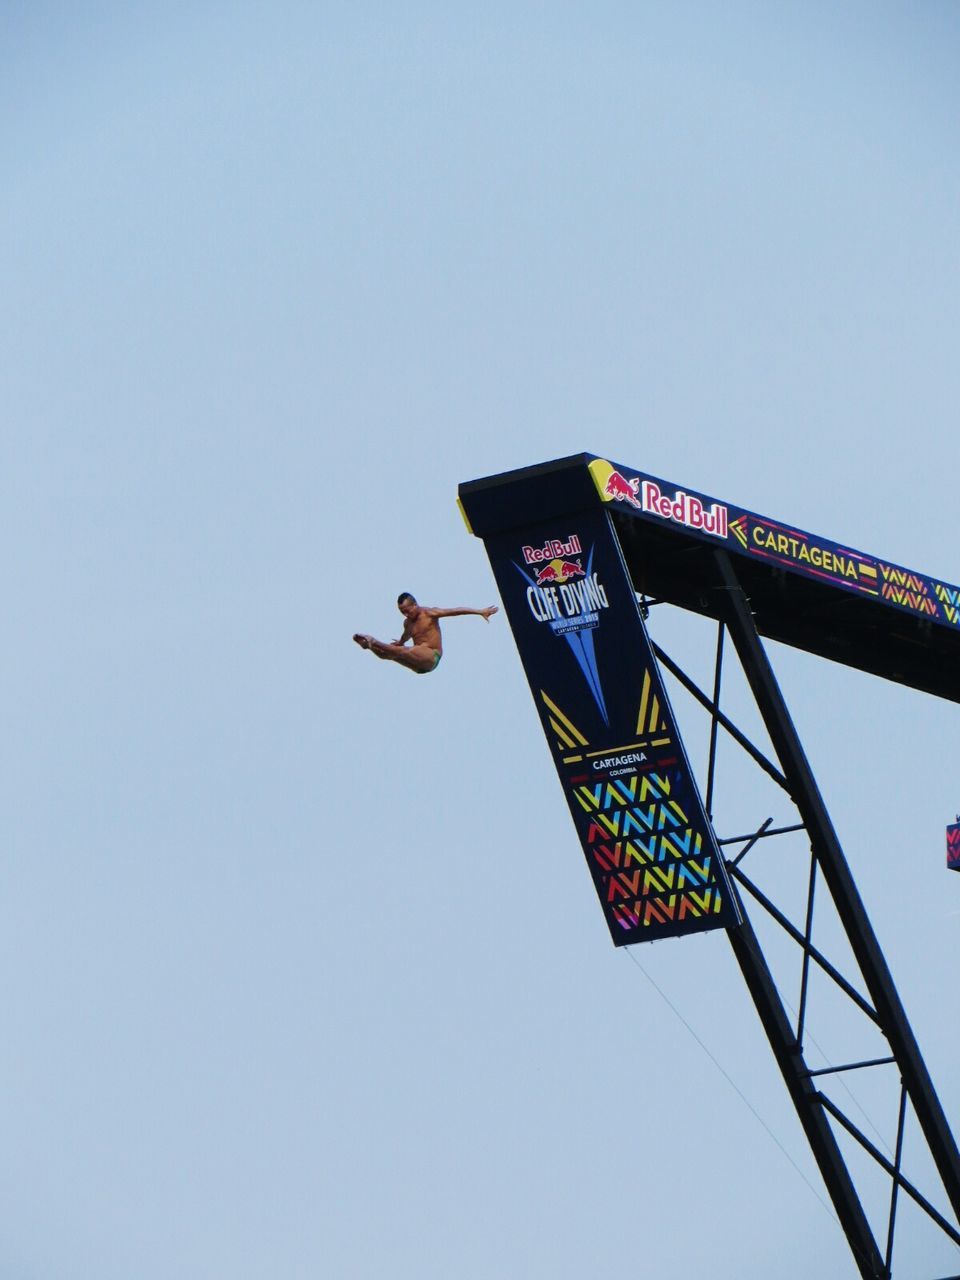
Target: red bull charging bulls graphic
619 489
651 852
559 571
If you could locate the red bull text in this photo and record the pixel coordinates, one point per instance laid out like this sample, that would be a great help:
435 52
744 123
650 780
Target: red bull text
685 509
552 549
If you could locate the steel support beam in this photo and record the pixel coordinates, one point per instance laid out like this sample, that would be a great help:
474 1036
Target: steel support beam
735 610
806 1099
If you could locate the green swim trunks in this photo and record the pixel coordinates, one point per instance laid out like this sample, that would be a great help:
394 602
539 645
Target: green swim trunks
436 662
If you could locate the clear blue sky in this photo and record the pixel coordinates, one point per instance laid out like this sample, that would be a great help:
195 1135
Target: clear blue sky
282 992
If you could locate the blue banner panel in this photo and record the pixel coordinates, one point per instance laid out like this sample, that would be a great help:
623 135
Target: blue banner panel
953 847
775 544
651 851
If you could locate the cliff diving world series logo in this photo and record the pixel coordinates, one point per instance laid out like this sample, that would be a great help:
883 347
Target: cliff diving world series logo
566 595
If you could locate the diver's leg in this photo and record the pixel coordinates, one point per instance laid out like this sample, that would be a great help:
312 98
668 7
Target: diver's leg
417 657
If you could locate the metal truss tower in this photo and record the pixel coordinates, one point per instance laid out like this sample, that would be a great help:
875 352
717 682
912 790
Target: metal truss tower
582 550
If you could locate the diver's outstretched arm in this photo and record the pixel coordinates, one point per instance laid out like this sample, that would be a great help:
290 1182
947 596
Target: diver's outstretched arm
459 612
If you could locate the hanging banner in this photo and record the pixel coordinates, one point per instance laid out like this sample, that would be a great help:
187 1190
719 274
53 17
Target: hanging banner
648 844
775 544
953 846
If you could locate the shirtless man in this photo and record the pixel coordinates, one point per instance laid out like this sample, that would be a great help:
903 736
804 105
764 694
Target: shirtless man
422 627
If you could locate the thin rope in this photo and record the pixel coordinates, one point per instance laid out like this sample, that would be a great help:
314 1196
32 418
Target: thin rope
733 1085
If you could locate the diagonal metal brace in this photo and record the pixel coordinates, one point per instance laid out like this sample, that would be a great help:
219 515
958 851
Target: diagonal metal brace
709 705
734 609
890 1168
814 953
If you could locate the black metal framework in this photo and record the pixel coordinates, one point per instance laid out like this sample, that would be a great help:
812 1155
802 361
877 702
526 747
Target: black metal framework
821 1117
685 562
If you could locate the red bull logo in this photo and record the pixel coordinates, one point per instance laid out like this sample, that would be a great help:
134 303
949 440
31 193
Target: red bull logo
553 549
685 509
559 571
620 489
571 569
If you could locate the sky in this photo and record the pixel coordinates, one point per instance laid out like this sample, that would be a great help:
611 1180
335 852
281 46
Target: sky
285 992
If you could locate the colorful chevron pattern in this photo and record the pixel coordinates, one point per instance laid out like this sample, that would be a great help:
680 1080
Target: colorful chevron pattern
646 856
953 846
651 863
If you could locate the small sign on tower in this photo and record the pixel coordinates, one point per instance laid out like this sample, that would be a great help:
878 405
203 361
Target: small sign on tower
953 845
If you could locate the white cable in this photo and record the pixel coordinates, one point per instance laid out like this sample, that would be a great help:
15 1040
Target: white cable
729 1079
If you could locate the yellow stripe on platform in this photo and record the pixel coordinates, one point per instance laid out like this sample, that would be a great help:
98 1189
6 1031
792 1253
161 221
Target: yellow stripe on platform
574 731
565 739
644 697
466 519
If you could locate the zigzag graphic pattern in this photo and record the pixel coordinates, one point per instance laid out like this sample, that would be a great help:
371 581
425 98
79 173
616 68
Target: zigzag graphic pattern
953 846
647 857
